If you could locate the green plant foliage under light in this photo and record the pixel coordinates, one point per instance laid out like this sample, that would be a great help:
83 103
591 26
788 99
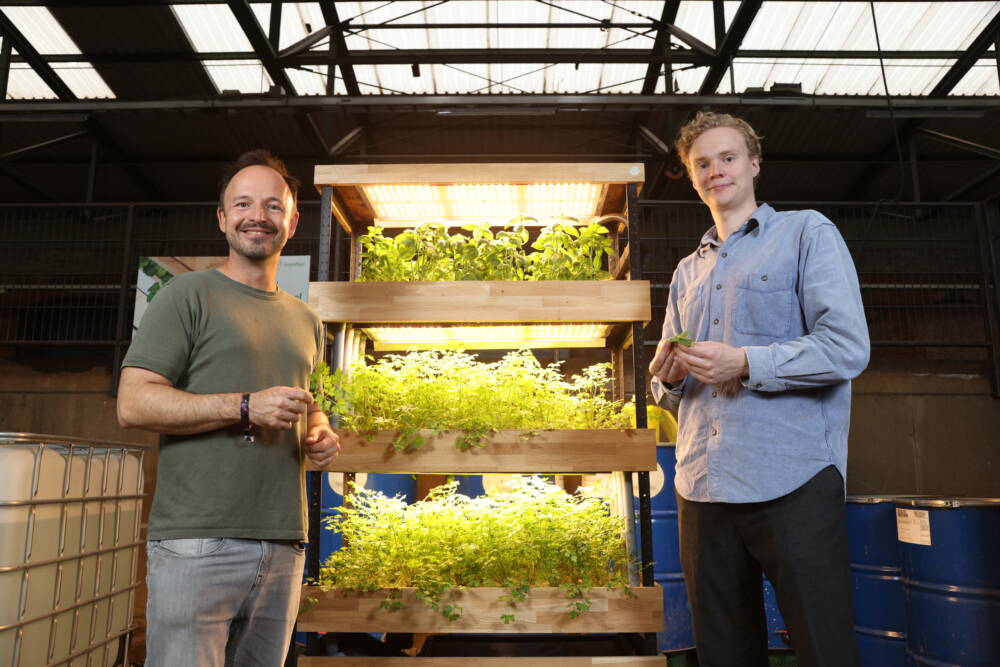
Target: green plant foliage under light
428 252
533 535
451 390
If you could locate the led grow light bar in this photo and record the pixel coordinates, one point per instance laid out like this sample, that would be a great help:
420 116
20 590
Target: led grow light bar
499 202
491 337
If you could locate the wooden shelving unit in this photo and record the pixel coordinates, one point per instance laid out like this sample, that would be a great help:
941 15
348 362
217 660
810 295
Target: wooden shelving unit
623 305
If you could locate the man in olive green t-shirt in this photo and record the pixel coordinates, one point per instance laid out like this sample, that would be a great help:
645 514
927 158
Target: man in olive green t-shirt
220 366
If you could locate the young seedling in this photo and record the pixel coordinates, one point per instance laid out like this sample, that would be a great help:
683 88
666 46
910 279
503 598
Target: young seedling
683 338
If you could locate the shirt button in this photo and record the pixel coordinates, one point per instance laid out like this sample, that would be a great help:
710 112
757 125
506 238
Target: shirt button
725 254
759 385
764 277
718 286
714 432
714 394
715 321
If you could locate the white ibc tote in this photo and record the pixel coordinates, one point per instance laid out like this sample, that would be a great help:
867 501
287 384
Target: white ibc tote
70 513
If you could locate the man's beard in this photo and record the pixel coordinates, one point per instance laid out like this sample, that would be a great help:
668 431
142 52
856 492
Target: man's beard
259 248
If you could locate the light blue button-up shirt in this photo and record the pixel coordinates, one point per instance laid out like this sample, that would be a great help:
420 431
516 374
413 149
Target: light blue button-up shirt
783 288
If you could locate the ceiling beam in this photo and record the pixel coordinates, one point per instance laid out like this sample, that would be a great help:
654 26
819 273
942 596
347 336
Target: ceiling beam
164 3
906 130
499 103
745 15
957 142
290 57
32 57
26 150
977 49
26 184
261 45
338 48
661 45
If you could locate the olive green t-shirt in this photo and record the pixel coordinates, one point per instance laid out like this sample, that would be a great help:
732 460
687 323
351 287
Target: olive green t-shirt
209 334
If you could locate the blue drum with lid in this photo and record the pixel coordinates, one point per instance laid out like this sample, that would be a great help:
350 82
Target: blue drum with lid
951 579
677 632
877 571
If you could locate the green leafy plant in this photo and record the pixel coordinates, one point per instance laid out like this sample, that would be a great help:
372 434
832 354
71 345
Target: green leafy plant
451 390
566 252
683 338
477 252
533 535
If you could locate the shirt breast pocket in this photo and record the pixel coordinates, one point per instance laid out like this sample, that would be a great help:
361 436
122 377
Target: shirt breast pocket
764 304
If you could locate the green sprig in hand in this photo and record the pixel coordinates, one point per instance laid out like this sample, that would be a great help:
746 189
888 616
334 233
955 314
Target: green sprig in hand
683 338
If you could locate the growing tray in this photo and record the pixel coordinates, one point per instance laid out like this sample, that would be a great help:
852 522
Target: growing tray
510 450
543 611
471 301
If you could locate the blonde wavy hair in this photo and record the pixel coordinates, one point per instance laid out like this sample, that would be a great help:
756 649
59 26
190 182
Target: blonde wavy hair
709 120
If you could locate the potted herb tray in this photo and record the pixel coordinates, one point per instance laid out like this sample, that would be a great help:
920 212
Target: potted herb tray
506 450
544 610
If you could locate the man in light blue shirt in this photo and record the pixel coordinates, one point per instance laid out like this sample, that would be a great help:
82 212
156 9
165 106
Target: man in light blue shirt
772 303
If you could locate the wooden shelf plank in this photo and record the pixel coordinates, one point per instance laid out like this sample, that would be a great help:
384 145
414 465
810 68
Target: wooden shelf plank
544 611
472 301
596 661
552 451
479 172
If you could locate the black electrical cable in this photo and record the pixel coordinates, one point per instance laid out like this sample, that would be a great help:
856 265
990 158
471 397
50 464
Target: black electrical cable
892 115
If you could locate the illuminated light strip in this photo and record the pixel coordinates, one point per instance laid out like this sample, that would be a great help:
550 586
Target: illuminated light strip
484 200
489 337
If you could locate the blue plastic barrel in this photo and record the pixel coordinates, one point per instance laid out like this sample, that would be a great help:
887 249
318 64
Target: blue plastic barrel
775 621
951 580
877 570
677 632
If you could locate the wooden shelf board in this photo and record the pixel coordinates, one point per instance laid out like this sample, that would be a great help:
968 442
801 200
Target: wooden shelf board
479 172
473 301
596 661
552 451
544 611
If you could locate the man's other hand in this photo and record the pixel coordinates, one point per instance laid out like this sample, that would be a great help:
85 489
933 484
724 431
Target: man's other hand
321 445
713 363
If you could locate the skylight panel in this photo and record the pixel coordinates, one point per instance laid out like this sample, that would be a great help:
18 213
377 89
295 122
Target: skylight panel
518 77
568 78
621 78
211 28
981 80
313 82
45 33
688 80
24 84
838 77
520 11
460 78
400 78
459 38
298 19
246 76
379 12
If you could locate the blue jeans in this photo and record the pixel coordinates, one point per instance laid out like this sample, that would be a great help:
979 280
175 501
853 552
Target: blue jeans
221 601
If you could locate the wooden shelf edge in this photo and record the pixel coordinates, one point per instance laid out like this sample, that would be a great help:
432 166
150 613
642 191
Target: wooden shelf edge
595 661
507 451
543 611
476 301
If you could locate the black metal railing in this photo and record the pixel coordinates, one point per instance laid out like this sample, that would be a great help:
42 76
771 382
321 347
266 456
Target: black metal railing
928 279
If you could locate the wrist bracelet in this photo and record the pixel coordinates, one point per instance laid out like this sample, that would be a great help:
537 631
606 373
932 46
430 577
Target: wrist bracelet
245 418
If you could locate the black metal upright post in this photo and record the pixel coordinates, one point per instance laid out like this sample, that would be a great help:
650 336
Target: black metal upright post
5 55
991 292
639 380
124 283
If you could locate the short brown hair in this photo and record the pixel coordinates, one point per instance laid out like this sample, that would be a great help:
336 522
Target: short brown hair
252 158
709 120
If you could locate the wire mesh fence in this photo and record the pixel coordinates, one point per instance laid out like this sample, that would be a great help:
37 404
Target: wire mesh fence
927 282
68 272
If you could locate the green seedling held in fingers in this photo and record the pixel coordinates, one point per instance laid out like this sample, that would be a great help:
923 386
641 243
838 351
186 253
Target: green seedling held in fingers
683 338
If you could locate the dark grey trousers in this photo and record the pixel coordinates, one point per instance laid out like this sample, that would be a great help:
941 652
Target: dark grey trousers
800 542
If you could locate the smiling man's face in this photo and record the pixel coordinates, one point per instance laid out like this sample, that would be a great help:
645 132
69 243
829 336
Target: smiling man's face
721 169
259 215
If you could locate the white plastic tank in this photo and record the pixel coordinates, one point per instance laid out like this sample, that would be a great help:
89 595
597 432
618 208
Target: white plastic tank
69 528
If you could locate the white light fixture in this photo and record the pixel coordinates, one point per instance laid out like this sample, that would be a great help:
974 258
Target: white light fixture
489 337
404 205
